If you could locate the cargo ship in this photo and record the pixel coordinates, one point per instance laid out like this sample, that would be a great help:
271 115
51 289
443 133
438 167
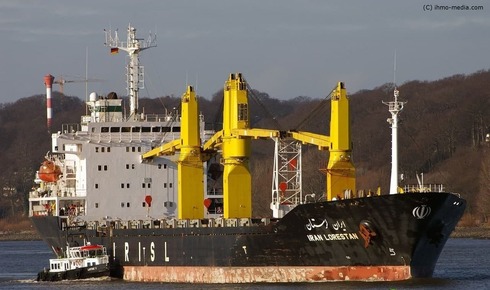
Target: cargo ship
172 202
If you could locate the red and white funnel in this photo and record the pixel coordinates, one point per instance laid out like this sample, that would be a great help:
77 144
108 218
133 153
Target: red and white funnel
48 81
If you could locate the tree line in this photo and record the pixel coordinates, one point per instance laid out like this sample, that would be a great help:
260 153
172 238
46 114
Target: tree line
442 134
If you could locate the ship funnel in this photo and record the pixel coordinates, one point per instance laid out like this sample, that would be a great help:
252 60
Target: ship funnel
48 82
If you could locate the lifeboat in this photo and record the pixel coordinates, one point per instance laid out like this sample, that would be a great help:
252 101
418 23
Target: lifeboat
49 172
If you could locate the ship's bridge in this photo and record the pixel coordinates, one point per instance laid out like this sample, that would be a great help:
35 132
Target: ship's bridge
105 109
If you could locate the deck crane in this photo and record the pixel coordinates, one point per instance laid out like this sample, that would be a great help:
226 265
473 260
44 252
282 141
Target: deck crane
234 142
340 171
190 163
62 81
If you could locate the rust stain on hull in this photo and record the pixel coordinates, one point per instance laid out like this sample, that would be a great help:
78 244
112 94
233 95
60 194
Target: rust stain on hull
264 274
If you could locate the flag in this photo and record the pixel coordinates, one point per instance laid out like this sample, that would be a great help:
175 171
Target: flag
114 50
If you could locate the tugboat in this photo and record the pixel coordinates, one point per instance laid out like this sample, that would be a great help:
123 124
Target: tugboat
88 261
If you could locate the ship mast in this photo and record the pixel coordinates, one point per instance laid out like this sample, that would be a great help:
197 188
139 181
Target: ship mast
135 72
394 108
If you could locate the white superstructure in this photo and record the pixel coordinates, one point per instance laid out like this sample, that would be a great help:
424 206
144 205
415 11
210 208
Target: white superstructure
101 172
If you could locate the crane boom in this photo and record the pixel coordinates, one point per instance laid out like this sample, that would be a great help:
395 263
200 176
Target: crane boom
169 148
322 141
62 81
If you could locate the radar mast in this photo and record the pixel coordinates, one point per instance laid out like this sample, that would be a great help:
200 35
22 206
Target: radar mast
134 71
394 108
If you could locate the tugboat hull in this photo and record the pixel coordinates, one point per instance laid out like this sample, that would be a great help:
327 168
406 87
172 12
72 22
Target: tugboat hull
75 274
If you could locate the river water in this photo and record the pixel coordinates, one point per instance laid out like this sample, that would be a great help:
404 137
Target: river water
464 264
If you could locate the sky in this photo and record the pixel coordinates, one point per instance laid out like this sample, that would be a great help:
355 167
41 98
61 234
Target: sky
285 48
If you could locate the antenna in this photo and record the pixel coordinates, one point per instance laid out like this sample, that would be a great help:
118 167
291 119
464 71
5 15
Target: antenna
195 87
86 80
394 70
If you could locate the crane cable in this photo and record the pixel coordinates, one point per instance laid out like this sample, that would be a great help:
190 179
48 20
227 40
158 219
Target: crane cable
257 101
313 113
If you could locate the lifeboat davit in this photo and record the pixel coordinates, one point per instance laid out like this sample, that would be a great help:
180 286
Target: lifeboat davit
49 172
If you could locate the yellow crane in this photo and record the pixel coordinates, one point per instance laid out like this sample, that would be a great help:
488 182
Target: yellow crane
190 163
234 141
340 171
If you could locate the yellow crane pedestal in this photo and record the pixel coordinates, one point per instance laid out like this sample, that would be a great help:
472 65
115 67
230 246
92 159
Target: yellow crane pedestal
190 164
237 180
340 170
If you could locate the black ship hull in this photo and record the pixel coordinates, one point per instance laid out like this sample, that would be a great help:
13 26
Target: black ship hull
388 237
